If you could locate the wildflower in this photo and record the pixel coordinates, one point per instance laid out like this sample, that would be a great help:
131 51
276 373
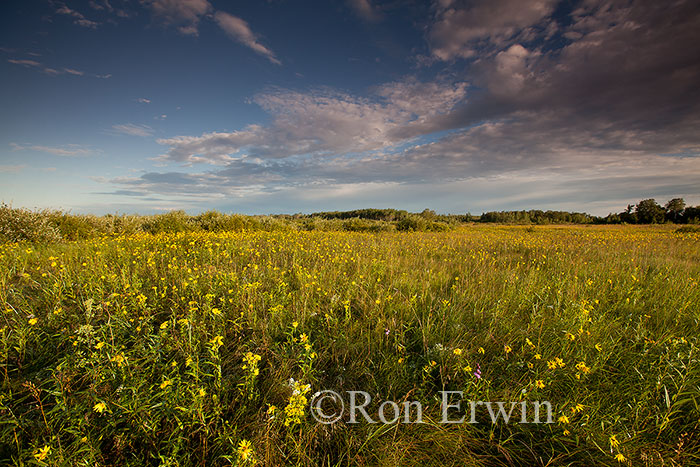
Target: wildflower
202 392
164 324
551 364
481 350
295 324
477 373
567 432
507 349
118 359
33 321
296 408
251 363
216 342
245 450
271 411
215 311
165 384
563 419
41 454
598 347
99 345
99 407
540 384
538 356
457 351
620 458
614 442
581 366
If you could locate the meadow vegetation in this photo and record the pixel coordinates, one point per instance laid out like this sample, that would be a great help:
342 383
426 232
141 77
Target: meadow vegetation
203 345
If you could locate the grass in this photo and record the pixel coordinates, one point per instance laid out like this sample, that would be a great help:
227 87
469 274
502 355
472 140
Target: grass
179 349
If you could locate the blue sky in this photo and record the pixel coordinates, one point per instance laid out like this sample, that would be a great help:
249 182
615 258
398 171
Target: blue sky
280 106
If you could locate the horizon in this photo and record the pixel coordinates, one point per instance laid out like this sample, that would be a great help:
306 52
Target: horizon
265 108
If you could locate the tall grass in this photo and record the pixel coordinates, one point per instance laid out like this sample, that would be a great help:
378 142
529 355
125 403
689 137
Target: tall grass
195 348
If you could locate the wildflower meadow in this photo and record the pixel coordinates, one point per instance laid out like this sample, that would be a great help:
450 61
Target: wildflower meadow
205 348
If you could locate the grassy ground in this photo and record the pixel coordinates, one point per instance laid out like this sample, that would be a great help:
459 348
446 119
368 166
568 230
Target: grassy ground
178 349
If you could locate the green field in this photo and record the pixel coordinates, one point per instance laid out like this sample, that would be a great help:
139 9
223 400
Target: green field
178 349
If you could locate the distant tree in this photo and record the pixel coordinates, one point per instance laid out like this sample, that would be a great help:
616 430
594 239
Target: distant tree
649 212
674 209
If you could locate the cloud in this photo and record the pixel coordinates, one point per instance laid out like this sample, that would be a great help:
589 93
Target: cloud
133 130
70 150
322 121
143 100
11 168
24 62
78 18
598 110
461 28
47 70
73 72
365 10
239 30
183 14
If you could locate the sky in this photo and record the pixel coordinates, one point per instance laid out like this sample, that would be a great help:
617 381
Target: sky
281 106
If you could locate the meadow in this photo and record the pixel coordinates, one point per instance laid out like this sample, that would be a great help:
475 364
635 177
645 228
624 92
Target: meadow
204 348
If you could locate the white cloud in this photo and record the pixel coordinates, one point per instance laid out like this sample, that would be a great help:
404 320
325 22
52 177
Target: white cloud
70 150
24 62
143 100
73 72
321 122
239 30
184 14
47 70
365 10
11 168
460 27
78 18
133 130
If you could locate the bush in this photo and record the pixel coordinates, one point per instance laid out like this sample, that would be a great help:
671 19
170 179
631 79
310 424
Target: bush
171 222
17 225
688 229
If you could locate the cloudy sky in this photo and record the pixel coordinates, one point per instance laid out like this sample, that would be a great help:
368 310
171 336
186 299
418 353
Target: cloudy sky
298 106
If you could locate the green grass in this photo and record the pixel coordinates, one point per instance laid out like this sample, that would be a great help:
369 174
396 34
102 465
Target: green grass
141 350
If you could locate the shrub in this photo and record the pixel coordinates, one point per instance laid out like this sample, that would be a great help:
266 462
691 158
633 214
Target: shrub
17 225
173 221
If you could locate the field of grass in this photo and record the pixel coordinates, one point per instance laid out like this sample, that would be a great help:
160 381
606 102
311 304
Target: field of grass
197 348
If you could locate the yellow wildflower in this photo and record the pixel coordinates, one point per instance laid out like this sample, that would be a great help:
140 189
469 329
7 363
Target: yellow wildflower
614 442
245 450
41 454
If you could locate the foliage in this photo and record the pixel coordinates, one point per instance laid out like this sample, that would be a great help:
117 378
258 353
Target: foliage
17 225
